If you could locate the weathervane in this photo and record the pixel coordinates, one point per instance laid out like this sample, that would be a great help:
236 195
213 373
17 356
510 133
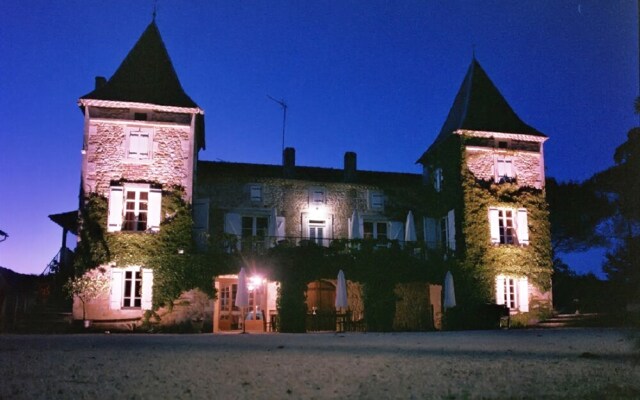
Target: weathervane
284 117
155 9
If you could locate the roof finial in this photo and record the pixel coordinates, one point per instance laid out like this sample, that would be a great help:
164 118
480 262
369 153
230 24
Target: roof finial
155 10
473 51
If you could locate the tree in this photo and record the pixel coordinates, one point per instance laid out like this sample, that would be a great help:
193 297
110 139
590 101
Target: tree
87 287
621 183
577 211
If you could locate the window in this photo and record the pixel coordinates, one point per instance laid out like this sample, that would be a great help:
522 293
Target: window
317 232
254 226
513 292
134 207
227 297
440 233
317 196
375 230
255 193
504 170
509 226
376 200
131 288
140 116
132 297
139 143
437 179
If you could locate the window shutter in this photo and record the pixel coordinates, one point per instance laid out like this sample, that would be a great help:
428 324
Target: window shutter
451 230
500 289
147 289
523 227
349 226
430 233
116 198
305 226
280 228
328 231
494 226
233 224
155 210
115 297
523 294
396 230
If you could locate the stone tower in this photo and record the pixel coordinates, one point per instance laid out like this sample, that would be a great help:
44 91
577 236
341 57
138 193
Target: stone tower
486 173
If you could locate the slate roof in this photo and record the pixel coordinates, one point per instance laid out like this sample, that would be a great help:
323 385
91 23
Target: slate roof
220 170
480 106
145 76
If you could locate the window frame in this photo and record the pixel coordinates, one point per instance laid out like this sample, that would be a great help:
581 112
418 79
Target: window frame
376 200
375 229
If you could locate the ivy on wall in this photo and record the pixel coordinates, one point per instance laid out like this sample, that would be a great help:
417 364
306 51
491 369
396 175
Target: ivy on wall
171 252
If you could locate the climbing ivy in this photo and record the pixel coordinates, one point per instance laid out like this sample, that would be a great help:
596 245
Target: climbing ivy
178 266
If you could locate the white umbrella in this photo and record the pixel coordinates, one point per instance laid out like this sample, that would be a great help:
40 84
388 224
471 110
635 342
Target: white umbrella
356 233
341 291
449 291
272 228
410 229
242 295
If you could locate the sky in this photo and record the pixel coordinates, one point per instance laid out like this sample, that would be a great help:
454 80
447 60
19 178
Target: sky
374 77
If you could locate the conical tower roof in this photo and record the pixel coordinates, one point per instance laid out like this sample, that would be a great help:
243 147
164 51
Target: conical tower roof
145 76
479 106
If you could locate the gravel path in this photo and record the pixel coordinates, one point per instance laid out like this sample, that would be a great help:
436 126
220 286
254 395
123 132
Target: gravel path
562 363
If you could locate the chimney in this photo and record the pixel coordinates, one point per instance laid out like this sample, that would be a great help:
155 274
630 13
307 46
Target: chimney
289 162
350 166
100 81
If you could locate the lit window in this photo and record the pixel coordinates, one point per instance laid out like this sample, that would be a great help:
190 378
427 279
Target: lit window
139 143
132 297
131 288
509 226
316 231
136 207
513 292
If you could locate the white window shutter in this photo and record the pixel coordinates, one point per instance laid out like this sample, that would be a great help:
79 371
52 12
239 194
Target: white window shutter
233 224
349 227
280 228
349 233
494 226
396 230
523 294
500 289
430 233
451 230
155 209
147 289
305 226
115 296
328 230
116 198
523 227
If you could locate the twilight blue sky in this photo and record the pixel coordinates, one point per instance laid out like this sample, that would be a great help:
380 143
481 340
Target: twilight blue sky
374 77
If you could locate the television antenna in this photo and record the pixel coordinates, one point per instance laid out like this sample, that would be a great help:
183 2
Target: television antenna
284 117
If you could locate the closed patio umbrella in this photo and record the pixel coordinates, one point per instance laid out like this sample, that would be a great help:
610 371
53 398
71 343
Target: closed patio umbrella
449 291
410 228
242 295
341 291
356 233
272 228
